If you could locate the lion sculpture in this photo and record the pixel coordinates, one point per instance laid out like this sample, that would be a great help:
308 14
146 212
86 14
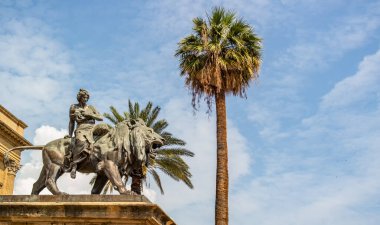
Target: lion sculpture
117 150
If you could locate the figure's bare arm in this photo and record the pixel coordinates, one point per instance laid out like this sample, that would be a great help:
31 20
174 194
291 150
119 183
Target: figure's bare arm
72 120
98 116
95 114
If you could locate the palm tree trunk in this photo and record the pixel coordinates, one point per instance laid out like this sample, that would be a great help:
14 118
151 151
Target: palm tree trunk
136 185
221 201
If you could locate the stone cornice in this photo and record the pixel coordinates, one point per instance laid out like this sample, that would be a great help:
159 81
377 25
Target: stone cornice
81 209
12 136
13 117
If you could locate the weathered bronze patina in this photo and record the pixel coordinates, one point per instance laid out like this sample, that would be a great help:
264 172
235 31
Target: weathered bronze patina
84 116
108 151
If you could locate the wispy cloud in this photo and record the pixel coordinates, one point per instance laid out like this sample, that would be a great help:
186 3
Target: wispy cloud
309 155
325 170
319 48
35 69
281 101
356 88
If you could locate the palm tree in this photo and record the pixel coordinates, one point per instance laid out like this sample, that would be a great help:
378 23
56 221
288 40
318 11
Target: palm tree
221 57
167 159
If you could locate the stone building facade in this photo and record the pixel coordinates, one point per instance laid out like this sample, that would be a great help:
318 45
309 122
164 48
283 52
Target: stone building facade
11 135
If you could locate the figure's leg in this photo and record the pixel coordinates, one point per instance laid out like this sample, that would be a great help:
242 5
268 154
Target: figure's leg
73 173
100 181
39 185
112 172
77 150
52 175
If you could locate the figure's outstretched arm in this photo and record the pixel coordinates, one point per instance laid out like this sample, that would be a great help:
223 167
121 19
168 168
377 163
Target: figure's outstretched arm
98 116
95 114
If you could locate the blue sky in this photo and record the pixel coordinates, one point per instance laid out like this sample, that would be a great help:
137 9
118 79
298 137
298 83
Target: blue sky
304 145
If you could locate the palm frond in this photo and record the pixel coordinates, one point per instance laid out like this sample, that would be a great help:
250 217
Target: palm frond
131 109
159 126
153 116
110 118
223 54
127 115
157 179
175 151
174 167
188 182
146 111
170 140
116 114
136 110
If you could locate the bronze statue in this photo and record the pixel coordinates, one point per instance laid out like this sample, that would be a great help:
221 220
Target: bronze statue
84 116
110 152
117 151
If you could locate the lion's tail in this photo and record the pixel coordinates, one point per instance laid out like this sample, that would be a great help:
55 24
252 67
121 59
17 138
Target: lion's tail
6 155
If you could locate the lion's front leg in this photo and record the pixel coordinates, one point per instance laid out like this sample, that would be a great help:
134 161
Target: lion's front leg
111 170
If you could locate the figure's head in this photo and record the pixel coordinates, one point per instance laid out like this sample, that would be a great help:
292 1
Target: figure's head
83 96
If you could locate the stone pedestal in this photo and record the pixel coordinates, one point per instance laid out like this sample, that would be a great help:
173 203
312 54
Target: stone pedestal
80 209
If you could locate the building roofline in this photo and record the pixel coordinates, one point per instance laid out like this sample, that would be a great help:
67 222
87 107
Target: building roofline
17 137
13 117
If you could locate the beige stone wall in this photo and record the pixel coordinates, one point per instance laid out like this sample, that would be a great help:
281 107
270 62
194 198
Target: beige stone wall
11 135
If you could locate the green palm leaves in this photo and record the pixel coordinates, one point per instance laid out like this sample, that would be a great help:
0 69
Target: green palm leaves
222 55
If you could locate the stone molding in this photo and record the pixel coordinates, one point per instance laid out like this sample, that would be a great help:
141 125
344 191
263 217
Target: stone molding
12 136
13 117
81 209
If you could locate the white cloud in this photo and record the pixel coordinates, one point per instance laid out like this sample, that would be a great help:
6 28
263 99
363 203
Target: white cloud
305 198
303 177
357 87
319 48
46 133
280 103
27 50
35 69
326 171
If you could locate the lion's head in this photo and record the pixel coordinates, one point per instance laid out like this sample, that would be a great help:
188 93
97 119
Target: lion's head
143 140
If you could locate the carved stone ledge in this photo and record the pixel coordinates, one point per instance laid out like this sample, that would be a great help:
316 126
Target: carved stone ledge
81 209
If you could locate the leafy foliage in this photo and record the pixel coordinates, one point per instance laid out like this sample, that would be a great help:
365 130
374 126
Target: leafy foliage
222 55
